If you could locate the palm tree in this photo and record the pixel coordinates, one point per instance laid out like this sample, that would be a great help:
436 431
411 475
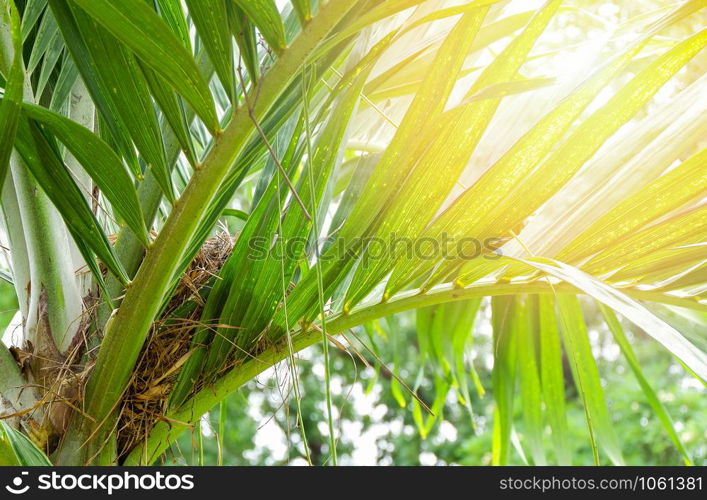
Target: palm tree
182 212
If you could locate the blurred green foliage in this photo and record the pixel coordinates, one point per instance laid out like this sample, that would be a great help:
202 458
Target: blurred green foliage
373 428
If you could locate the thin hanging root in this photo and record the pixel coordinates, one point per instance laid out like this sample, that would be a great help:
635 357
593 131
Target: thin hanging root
394 375
337 343
358 353
271 151
26 411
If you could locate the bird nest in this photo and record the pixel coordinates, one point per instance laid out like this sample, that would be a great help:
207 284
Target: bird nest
168 345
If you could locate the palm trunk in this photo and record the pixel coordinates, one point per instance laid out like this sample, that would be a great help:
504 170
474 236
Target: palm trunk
45 283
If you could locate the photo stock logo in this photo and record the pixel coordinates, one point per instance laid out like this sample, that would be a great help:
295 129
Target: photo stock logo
100 482
18 487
